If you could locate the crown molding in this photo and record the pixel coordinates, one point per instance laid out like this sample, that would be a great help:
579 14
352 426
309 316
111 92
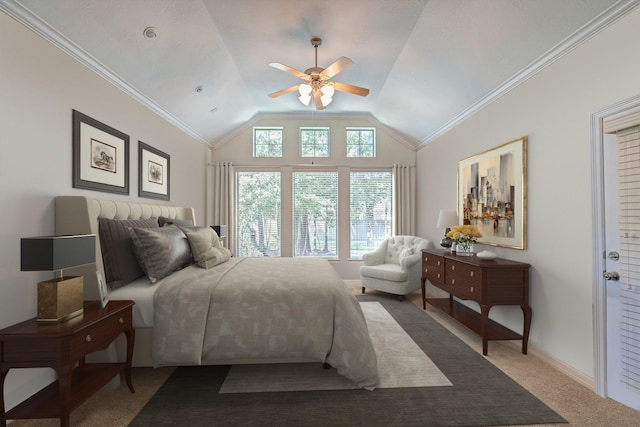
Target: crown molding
599 23
31 21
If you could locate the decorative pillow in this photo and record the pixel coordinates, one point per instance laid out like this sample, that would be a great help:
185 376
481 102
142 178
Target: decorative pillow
160 251
120 263
205 246
163 220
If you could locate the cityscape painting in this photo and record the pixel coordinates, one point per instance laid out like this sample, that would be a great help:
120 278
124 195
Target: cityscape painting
492 194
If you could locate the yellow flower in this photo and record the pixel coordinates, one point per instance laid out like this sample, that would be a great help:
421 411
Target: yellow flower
464 234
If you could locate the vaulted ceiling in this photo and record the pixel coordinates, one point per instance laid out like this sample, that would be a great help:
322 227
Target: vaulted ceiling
428 63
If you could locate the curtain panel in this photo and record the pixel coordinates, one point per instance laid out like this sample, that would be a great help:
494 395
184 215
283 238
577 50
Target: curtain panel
404 200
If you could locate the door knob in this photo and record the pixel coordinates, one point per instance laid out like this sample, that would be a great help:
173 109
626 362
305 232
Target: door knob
611 275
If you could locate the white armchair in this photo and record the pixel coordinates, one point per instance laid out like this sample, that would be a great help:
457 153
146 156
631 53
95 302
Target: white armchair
395 266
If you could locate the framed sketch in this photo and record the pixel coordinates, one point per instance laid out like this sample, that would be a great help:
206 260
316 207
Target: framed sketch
153 172
100 156
492 194
102 286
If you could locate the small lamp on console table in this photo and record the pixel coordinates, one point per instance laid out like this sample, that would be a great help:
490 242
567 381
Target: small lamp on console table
221 230
446 220
58 299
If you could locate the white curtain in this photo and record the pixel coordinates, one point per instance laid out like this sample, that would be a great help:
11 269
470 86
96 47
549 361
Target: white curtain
404 200
223 199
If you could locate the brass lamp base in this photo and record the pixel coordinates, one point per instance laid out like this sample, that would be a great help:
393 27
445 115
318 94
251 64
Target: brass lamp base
60 299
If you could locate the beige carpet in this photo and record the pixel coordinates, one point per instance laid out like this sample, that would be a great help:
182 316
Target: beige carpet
577 404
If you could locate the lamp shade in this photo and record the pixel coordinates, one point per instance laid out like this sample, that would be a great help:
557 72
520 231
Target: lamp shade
51 253
447 219
220 229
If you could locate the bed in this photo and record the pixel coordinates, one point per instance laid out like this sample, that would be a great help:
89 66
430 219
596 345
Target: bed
242 310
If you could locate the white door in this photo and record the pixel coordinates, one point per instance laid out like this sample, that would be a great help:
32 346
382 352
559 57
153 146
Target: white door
622 293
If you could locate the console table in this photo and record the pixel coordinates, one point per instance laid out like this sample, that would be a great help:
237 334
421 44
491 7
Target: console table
63 347
487 282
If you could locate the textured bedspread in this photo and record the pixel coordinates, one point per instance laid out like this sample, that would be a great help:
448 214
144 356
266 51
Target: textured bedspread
263 308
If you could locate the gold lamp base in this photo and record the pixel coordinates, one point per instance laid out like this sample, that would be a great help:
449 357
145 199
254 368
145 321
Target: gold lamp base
60 299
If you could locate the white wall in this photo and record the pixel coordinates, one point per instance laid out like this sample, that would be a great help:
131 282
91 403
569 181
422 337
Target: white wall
553 109
39 87
390 150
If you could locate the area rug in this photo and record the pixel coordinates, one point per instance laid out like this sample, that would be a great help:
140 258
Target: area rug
480 394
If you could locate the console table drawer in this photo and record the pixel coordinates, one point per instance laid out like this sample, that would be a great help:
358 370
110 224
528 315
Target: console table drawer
433 267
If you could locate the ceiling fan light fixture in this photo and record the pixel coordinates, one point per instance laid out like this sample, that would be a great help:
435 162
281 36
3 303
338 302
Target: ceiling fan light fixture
305 93
327 94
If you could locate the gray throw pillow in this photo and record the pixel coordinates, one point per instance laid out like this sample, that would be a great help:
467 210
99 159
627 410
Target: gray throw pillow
206 247
163 220
120 263
161 251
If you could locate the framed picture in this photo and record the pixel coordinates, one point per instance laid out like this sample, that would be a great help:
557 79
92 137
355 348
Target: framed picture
492 194
100 156
102 286
153 172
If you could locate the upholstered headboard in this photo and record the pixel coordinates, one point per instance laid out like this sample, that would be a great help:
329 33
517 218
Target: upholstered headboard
79 215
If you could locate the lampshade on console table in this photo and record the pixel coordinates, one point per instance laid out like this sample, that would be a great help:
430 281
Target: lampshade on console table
62 298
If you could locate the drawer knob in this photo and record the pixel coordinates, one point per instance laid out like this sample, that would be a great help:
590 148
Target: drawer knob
426 258
471 289
453 267
121 320
438 262
426 270
87 338
438 275
471 274
453 281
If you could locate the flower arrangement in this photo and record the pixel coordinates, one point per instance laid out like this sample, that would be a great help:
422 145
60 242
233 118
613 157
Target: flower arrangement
464 235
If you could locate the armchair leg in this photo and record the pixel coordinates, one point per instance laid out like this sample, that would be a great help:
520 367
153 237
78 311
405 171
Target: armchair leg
400 298
363 289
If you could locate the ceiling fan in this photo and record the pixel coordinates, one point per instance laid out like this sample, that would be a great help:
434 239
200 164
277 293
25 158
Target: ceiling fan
316 81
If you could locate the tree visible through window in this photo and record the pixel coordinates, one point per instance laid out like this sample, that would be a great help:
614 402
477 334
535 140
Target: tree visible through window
361 142
258 213
314 142
370 211
315 198
267 142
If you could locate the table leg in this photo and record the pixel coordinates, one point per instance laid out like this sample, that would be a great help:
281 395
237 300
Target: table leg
3 375
484 315
130 334
423 285
65 374
527 326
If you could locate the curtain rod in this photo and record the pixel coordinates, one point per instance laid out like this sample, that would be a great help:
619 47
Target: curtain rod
313 165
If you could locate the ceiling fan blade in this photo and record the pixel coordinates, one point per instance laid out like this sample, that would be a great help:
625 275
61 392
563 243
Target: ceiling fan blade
338 65
288 69
283 91
317 100
356 90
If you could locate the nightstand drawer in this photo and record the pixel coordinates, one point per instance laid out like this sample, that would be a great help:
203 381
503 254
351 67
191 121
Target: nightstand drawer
100 335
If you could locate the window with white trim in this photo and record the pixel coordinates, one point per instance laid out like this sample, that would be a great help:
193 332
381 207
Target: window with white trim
370 210
315 214
314 142
267 142
361 142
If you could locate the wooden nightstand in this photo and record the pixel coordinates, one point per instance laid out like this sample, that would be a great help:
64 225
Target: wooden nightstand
63 347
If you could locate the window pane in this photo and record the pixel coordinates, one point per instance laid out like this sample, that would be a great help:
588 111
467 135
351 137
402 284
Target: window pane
314 142
361 143
258 213
315 198
371 201
267 142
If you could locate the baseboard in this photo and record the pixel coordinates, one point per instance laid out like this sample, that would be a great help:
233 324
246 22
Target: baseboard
576 375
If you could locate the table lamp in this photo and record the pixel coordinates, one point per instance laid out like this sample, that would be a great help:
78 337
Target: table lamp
221 230
446 220
62 298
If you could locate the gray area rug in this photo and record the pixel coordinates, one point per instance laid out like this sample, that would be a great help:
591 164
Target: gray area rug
481 394
401 363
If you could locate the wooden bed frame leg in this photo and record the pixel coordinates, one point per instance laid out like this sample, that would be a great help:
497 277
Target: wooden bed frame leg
363 289
325 365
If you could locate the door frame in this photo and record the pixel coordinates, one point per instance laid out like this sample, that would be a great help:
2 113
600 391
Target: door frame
598 118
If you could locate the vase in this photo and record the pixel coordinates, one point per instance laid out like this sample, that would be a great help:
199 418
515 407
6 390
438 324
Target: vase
464 249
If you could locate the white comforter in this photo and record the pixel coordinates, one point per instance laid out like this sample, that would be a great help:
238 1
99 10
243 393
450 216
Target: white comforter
263 308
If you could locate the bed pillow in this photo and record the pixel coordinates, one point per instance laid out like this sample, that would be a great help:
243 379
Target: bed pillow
163 220
120 263
206 247
160 251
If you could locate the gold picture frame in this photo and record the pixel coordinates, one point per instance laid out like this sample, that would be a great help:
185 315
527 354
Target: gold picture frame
492 194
